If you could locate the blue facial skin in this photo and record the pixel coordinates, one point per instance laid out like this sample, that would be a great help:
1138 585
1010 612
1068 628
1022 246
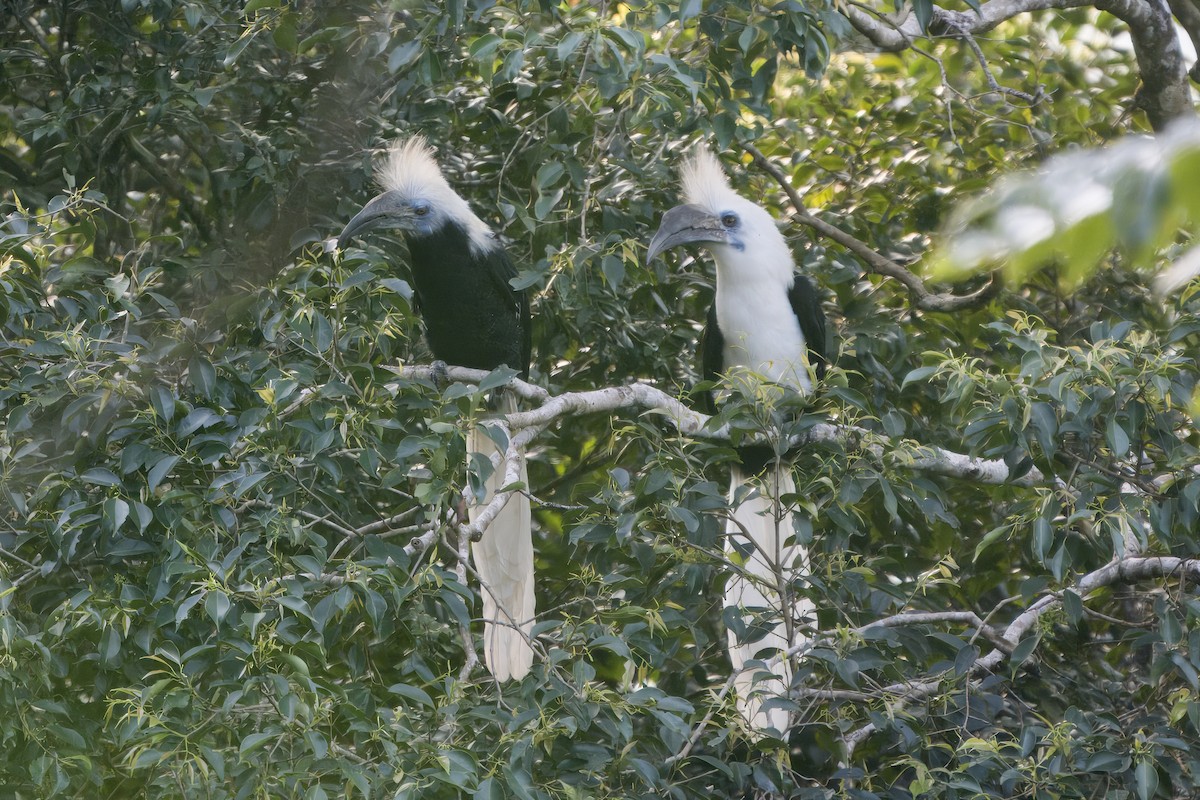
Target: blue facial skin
732 223
421 220
393 210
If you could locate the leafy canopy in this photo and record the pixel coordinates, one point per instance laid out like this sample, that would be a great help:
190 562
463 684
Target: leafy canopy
214 469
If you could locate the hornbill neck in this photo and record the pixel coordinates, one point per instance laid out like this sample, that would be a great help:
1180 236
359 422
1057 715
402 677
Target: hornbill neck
449 241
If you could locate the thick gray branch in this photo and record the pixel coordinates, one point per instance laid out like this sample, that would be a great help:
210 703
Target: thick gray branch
1187 12
894 33
1165 93
525 426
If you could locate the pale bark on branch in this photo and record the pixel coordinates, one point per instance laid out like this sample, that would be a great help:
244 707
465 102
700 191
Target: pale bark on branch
521 429
524 426
1165 93
1128 570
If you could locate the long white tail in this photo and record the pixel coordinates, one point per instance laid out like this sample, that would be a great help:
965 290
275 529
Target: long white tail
504 560
769 526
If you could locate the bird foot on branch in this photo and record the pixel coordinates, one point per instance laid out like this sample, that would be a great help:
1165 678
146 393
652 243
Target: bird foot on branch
439 374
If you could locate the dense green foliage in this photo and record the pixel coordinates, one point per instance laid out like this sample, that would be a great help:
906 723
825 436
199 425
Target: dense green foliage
212 466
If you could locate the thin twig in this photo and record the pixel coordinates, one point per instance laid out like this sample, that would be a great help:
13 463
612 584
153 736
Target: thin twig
875 262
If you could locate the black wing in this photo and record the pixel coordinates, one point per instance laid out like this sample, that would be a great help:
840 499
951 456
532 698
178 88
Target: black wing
502 270
527 327
712 356
807 308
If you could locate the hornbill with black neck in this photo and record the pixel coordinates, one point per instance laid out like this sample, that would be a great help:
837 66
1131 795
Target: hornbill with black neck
766 324
473 318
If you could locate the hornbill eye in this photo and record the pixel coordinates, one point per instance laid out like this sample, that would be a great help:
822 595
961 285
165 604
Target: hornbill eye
421 211
729 219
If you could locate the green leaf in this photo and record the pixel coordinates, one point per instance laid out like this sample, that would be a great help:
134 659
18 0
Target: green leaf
110 646
414 693
116 511
613 268
500 376
203 97
918 374
1107 761
1146 778
255 741
547 202
965 659
235 50
989 538
614 644
162 467
1118 440
1043 538
296 663
1073 606
196 419
203 376
1141 199
924 12
633 40
181 612
216 604
519 783
484 47
548 174
569 44
284 33
403 55
1022 651
101 477
489 789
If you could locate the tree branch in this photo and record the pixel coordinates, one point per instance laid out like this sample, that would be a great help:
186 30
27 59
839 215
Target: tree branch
464 630
1187 13
1131 569
893 33
894 621
1165 93
876 263
187 202
528 424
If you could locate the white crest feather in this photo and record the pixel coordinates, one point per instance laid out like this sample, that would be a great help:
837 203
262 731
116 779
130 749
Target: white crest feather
704 181
410 169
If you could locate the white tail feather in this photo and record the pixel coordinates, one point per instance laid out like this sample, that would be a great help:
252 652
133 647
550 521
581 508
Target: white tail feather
769 527
504 560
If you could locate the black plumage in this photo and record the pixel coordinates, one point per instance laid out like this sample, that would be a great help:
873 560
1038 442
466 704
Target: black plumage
472 315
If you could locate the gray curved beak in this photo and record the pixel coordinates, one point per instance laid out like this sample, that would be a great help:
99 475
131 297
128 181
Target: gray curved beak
685 224
382 210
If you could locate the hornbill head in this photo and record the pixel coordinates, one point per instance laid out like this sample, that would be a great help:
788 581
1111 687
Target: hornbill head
688 224
416 199
391 210
741 235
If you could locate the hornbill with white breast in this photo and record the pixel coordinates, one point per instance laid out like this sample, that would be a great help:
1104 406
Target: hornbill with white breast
765 323
473 318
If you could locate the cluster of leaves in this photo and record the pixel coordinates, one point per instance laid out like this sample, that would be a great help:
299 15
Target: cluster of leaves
213 473
1079 206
